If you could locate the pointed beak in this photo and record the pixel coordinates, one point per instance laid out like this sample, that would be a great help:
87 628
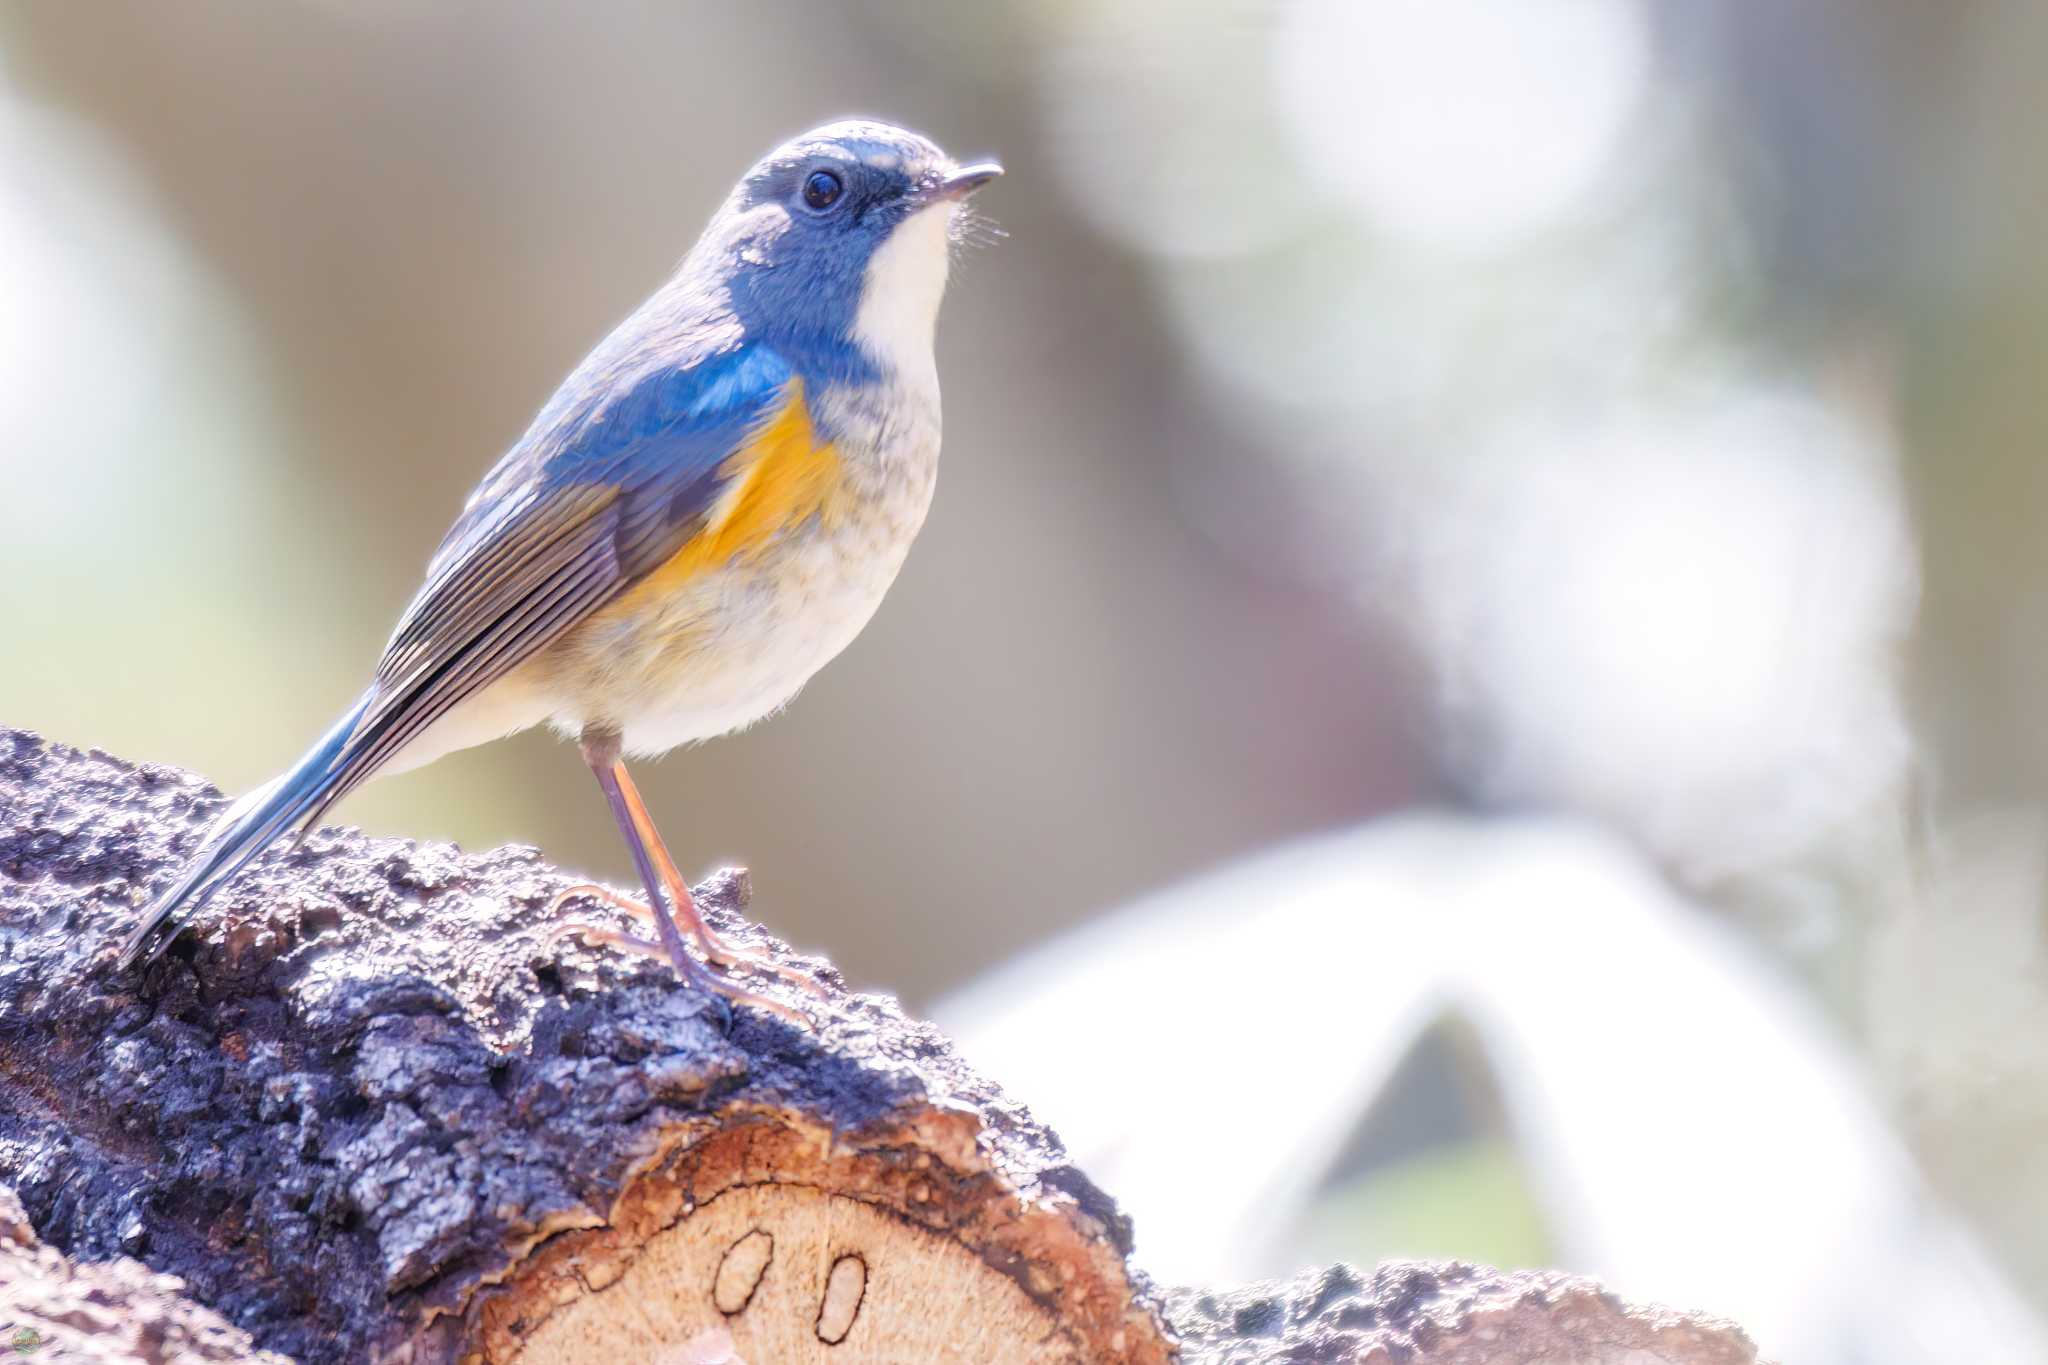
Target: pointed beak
961 183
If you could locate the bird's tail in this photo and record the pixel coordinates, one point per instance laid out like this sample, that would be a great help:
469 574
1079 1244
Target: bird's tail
248 827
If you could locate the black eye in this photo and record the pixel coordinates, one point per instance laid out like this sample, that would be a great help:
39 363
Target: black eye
822 190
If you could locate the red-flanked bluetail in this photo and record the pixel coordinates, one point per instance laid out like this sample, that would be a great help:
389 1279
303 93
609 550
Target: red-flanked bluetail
707 511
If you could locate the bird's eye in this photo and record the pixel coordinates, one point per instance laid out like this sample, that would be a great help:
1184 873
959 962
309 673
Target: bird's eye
822 190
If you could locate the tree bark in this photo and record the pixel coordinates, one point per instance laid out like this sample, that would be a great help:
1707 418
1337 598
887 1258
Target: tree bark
368 1110
1443 1313
106 1313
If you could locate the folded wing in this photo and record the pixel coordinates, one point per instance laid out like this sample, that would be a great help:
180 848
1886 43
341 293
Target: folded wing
582 509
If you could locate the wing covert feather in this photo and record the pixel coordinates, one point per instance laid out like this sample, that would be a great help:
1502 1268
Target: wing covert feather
583 507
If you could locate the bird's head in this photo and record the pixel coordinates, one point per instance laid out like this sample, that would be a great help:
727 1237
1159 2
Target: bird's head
837 243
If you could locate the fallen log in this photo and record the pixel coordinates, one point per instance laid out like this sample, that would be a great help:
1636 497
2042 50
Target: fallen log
368 1108
1443 1313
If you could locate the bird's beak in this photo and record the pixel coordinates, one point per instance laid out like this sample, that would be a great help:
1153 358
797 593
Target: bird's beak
961 183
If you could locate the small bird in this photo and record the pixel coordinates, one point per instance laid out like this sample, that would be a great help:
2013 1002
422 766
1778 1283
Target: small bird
707 512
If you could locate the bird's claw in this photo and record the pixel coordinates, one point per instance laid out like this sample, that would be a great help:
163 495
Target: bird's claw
692 973
718 952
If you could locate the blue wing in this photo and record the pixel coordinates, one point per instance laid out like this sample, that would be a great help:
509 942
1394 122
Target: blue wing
616 475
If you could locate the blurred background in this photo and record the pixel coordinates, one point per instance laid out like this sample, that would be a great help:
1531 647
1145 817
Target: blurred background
1580 458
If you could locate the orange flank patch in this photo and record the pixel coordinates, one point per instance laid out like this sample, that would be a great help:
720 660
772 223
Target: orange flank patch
780 478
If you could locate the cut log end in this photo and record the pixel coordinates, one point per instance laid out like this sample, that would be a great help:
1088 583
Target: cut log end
790 1273
771 1243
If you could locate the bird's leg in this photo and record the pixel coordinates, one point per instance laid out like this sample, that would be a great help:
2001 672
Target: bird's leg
715 948
601 751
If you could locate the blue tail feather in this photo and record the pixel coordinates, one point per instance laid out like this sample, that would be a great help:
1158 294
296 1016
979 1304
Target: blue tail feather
248 827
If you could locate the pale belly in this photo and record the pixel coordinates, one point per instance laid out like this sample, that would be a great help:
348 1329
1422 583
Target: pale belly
734 643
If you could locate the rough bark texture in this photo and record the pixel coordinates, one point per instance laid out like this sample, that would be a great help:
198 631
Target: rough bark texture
1407 1313
1443 1313
53 1309
369 1112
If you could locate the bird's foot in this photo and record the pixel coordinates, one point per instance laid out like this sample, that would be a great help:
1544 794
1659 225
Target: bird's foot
688 968
716 950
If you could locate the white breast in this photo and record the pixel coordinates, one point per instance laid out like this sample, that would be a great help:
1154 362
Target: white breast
899 303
